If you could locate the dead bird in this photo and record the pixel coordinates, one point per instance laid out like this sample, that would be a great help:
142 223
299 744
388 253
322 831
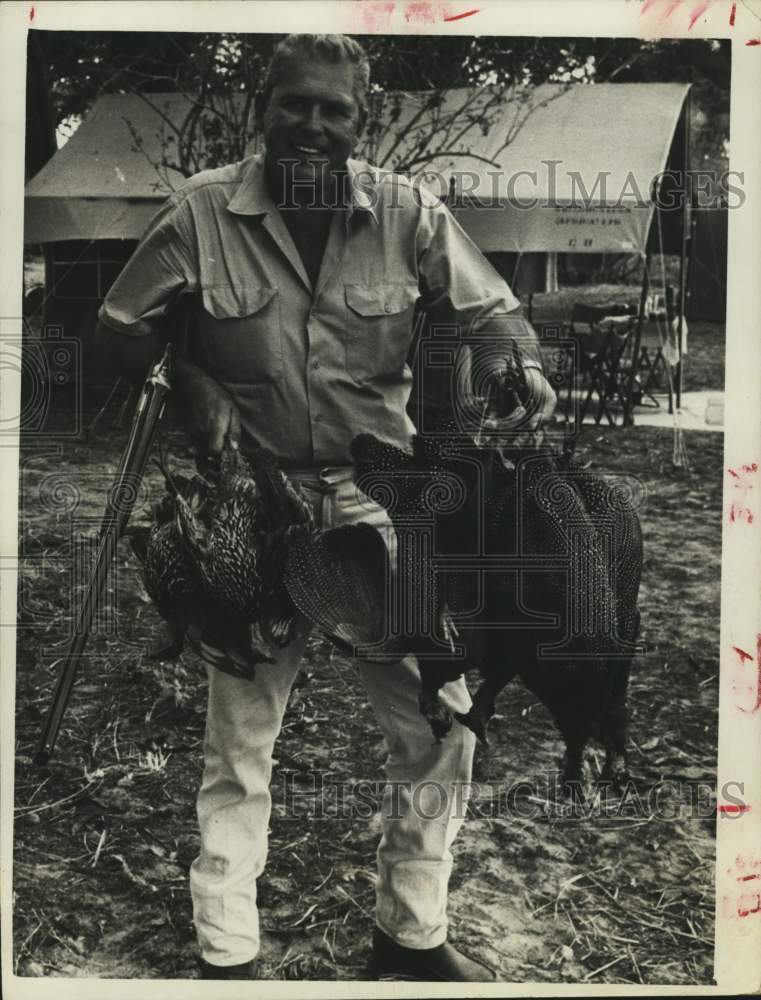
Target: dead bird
222 537
523 621
240 539
173 582
169 574
288 520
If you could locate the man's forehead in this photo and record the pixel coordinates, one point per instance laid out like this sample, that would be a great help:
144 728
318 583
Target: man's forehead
312 74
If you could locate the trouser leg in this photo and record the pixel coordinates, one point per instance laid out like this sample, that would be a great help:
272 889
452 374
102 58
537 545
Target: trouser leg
423 805
425 798
243 720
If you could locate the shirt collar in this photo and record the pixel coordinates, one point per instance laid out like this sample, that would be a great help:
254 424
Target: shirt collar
253 198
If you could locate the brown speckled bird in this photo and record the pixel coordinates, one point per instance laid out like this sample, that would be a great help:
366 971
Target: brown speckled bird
239 541
174 583
169 574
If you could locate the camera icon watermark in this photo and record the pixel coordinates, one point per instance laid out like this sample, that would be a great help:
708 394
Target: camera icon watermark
50 371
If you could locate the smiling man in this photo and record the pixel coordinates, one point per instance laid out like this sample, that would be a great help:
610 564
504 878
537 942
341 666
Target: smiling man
303 268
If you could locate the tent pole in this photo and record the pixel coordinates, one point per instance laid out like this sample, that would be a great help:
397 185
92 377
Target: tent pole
683 250
628 418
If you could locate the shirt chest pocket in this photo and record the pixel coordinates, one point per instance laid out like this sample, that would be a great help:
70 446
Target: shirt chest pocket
241 333
378 328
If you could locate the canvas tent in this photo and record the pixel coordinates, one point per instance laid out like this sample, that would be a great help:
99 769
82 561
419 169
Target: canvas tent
107 181
608 140
576 174
708 274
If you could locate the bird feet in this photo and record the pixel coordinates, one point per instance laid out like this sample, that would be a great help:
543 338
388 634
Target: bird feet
439 718
573 776
615 772
476 720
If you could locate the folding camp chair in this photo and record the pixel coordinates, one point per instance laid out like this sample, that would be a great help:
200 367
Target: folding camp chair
603 355
654 366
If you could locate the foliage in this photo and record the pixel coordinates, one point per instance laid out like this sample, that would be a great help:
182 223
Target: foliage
219 73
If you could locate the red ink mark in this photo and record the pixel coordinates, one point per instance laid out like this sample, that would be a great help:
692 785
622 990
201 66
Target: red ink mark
740 906
739 513
422 12
748 903
374 17
459 17
742 903
743 483
747 687
734 809
701 9
646 6
745 861
753 467
754 41
732 15
31 14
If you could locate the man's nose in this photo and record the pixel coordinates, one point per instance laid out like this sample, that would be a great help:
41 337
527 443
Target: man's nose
313 118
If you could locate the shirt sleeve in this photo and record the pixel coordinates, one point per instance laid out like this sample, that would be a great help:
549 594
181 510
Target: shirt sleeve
460 287
164 266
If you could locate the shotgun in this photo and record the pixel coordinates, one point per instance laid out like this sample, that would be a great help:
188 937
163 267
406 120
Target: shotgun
119 503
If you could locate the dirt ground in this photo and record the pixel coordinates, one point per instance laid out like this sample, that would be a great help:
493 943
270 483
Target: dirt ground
104 835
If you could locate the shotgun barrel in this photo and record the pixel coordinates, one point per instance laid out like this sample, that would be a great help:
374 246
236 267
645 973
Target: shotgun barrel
119 504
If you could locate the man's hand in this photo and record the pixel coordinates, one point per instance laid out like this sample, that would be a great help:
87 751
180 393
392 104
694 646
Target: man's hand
212 416
521 426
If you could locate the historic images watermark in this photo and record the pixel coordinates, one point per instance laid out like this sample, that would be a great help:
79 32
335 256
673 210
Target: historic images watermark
319 795
546 185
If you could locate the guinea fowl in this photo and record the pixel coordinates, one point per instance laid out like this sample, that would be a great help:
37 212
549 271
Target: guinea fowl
523 513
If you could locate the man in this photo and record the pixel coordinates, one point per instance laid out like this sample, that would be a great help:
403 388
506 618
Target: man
304 268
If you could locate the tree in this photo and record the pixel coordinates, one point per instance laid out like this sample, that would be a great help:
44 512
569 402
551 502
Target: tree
219 73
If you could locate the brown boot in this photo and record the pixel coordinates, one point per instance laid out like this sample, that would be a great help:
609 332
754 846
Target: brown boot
246 970
429 965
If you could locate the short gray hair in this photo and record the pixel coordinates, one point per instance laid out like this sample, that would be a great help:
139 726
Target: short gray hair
323 48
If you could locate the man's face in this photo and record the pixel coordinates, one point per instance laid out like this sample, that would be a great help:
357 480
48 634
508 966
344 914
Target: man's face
313 118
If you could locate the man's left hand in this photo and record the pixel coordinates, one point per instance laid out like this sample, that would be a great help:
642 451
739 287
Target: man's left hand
522 427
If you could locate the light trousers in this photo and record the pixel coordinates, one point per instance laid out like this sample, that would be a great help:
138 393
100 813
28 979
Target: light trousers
424 800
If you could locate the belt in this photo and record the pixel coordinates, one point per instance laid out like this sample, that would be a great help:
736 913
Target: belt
325 480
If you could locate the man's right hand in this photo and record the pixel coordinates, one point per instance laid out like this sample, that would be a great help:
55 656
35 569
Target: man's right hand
213 417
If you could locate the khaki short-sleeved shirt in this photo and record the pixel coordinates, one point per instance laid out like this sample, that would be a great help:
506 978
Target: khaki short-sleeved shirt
309 368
